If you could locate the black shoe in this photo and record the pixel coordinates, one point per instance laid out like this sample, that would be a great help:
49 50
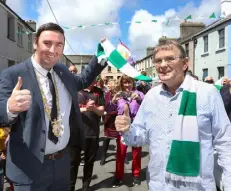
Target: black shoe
117 183
126 161
86 188
136 181
102 162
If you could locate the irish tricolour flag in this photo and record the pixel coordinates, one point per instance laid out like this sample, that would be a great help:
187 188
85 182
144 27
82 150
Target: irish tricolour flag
115 59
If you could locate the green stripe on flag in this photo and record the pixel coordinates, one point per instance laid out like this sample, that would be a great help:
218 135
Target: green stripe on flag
184 158
143 78
116 59
188 106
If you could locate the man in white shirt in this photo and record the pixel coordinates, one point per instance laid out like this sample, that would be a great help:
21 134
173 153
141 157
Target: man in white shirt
38 98
182 120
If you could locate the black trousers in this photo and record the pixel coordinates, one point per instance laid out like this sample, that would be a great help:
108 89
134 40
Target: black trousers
90 151
106 142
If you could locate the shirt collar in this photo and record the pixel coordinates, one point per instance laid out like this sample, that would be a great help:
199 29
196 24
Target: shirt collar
39 68
179 89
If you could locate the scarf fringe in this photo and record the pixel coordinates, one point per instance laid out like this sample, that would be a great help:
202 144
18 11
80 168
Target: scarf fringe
182 181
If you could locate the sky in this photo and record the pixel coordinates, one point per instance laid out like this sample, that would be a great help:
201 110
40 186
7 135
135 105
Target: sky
137 36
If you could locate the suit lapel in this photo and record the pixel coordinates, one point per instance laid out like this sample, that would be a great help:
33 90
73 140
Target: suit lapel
34 85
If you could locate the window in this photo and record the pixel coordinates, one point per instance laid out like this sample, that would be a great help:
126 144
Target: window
205 73
110 77
109 68
20 35
221 72
187 49
30 42
206 44
10 27
11 63
221 38
118 70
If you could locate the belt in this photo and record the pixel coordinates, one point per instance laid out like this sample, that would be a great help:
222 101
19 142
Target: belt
54 156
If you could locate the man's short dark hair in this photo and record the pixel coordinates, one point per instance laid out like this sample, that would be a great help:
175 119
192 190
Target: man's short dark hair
144 73
49 27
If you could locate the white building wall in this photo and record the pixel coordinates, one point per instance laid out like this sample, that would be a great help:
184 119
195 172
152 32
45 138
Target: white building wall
215 57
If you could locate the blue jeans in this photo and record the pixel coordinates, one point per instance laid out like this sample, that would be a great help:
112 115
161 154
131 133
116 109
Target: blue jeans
54 176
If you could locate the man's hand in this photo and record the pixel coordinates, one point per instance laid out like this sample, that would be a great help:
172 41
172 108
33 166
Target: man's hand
90 105
20 100
135 96
116 97
123 122
3 156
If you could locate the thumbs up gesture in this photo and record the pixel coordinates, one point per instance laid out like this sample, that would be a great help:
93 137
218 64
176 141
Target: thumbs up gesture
20 100
123 122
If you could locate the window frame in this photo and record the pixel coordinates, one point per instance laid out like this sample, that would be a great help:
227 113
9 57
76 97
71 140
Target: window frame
206 44
221 38
10 27
20 35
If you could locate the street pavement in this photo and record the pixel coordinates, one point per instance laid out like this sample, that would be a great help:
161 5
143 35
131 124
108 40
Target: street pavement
103 176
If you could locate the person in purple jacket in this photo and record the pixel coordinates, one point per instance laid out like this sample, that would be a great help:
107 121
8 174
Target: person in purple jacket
127 95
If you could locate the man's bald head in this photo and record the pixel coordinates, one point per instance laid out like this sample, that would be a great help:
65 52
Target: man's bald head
73 69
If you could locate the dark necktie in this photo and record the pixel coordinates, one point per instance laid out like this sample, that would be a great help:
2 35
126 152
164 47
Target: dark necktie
53 114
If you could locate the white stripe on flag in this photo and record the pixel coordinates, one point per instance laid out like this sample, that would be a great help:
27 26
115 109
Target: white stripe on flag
129 70
187 131
108 47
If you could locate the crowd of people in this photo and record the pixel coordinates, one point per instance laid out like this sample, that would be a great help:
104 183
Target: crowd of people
50 119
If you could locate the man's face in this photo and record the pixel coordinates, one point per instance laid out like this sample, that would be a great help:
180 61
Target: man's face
170 67
143 83
73 69
49 48
225 81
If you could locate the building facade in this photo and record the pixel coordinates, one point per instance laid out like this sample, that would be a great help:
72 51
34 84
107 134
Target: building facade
212 52
111 73
16 37
146 64
187 30
79 60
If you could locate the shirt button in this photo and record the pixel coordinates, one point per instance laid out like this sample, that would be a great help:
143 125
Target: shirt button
43 131
42 150
170 114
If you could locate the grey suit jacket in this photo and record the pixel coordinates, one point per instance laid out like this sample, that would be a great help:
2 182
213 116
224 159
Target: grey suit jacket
27 142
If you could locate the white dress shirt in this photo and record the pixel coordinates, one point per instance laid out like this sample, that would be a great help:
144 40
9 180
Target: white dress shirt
64 103
153 125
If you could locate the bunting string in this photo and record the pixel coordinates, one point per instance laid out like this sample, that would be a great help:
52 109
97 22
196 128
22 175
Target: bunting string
166 22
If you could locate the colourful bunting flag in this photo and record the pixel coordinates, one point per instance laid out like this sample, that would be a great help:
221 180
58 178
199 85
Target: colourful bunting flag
188 17
167 23
212 16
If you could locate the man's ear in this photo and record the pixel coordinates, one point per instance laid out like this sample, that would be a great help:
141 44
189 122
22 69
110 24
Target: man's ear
35 43
186 63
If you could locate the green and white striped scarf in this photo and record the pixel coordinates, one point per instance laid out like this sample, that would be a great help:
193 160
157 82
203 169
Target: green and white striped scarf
108 51
183 165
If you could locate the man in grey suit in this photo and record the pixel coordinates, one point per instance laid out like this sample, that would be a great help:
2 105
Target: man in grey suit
38 98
